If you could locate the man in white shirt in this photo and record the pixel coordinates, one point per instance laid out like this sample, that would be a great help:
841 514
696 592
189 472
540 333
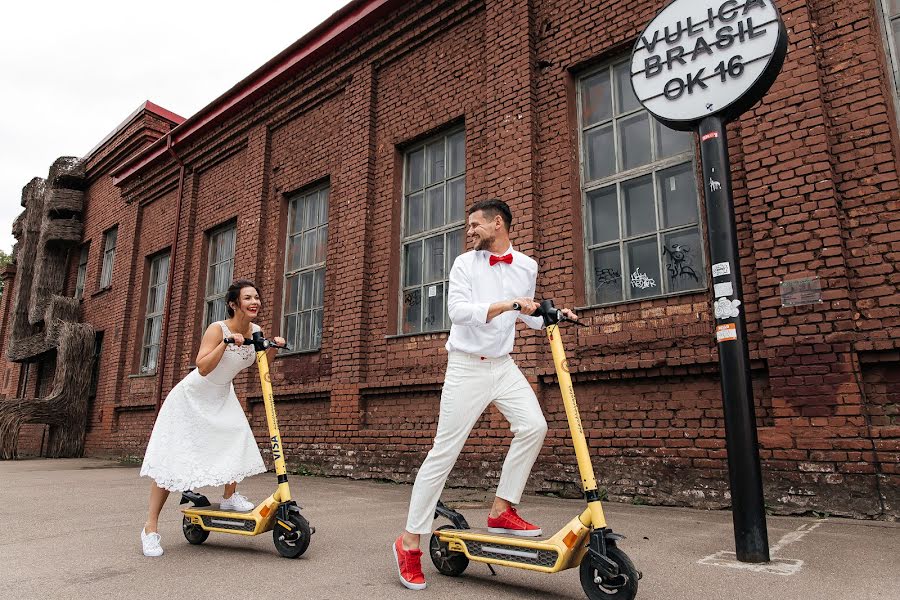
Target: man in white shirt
490 289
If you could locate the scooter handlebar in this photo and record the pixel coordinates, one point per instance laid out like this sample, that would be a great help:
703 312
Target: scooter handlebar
259 343
550 313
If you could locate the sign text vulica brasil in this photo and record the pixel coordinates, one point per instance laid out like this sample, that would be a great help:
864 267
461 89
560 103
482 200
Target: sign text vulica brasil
703 57
698 65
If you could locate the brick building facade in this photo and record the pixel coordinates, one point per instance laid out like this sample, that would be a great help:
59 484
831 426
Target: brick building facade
335 176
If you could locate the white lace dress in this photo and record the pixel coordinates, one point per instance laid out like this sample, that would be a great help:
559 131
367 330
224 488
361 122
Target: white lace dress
201 436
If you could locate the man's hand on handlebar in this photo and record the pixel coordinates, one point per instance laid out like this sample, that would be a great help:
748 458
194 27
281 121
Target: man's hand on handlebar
568 314
526 306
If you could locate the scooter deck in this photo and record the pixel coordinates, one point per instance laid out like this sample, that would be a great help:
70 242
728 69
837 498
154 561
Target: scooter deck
215 508
545 554
511 538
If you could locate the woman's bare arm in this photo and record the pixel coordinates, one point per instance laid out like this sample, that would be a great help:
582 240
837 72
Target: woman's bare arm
212 348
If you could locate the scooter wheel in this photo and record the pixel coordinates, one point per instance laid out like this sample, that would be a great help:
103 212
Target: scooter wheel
622 587
193 533
446 562
292 544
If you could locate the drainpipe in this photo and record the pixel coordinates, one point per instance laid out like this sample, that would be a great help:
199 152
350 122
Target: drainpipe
163 333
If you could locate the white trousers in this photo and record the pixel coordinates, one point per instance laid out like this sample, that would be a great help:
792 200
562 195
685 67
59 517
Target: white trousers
471 383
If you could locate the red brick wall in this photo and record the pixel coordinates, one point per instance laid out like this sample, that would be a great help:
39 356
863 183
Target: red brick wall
816 194
10 376
120 420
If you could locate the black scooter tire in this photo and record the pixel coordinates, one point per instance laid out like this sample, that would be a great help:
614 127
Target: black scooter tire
288 547
599 591
194 534
451 564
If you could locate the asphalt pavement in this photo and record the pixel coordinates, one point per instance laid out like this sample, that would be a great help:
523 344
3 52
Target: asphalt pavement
70 529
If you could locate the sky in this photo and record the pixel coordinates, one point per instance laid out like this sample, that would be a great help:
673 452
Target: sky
71 72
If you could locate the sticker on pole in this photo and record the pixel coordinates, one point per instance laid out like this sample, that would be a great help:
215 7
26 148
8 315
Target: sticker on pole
726 308
699 58
726 333
721 290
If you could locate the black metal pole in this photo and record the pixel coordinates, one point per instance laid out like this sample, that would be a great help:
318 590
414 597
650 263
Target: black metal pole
745 477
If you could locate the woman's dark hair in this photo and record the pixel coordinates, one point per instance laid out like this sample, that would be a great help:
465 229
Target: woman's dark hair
234 293
493 207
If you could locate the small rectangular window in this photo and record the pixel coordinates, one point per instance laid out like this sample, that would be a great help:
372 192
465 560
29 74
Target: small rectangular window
641 204
95 369
95 378
892 33
219 272
109 256
82 271
24 373
304 273
153 317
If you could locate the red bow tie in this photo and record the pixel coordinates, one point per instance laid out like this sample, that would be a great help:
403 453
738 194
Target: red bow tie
506 258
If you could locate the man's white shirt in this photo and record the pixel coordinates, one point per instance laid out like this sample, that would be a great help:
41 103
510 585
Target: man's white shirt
475 285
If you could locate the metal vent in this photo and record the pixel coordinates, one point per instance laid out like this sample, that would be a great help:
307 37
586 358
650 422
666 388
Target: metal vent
518 554
229 523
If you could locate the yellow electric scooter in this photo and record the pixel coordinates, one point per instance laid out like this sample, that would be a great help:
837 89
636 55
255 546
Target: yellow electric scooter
278 513
585 542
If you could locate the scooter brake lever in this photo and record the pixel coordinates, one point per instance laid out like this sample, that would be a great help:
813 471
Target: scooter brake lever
579 323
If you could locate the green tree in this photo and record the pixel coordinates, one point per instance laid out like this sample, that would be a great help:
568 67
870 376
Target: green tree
5 259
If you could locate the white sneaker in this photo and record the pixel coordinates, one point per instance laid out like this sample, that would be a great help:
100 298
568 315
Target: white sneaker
150 542
237 503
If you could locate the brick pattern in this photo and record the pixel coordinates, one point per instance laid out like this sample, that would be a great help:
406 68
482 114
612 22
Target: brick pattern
816 194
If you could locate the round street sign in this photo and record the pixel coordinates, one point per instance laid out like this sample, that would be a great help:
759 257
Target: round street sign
699 58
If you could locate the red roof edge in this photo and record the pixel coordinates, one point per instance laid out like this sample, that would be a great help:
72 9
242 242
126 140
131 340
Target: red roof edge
343 24
166 114
146 106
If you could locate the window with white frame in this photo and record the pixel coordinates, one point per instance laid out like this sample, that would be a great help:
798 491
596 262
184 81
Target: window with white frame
892 31
219 271
434 223
82 271
641 203
304 273
109 256
153 318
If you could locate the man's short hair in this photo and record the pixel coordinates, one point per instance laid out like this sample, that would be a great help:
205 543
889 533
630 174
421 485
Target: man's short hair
493 207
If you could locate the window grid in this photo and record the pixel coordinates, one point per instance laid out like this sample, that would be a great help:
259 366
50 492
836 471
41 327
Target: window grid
892 31
304 280
672 260
24 373
156 301
109 255
219 272
82 272
433 231
95 369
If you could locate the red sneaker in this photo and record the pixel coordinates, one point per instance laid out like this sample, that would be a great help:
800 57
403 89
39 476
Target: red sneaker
409 565
510 522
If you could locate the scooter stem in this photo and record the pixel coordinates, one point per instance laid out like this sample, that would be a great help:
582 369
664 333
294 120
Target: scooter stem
283 493
586 469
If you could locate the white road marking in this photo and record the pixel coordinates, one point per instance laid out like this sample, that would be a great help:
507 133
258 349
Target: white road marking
776 566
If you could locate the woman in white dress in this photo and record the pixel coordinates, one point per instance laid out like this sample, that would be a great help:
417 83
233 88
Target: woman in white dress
201 436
